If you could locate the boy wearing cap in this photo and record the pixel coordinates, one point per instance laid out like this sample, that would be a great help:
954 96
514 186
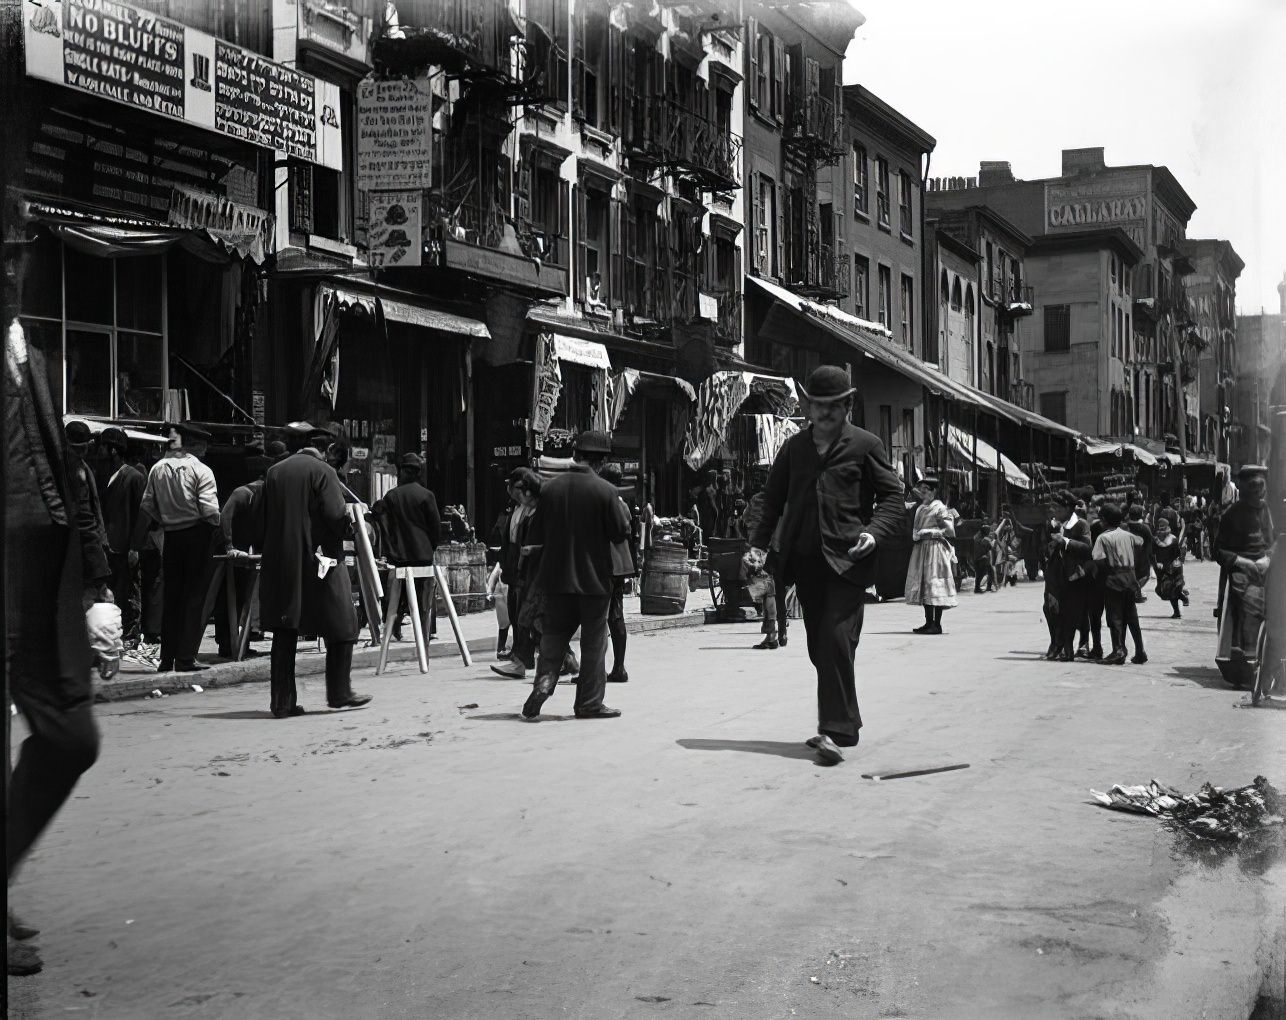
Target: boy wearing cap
122 501
180 495
837 497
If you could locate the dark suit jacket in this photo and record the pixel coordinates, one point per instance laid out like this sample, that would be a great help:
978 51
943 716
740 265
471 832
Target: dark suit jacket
578 518
303 509
1073 562
122 498
852 488
408 519
241 519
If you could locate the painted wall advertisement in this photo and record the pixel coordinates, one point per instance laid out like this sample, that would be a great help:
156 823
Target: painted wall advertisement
394 135
395 238
129 56
1096 205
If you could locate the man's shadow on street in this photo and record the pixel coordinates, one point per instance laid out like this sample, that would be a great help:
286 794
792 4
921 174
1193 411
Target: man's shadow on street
779 748
1208 677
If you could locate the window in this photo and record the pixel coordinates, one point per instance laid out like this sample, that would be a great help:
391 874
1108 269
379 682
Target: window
767 79
904 203
1058 328
861 200
597 270
765 221
882 190
861 286
886 427
886 296
991 270
908 314
907 439
956 300
1054 406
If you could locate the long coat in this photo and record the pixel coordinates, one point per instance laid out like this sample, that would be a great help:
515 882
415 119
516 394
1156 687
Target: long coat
576 521
303 511
409 520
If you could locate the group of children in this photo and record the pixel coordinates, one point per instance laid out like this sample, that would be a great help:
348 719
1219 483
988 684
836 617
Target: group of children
996 554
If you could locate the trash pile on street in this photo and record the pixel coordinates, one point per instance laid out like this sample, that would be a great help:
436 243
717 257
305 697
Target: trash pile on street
1212 813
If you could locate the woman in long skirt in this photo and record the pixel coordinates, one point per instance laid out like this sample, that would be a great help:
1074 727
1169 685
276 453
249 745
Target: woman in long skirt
929 578
1167 557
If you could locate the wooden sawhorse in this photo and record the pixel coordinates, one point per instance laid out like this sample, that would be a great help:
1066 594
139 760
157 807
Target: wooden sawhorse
223 574
399 576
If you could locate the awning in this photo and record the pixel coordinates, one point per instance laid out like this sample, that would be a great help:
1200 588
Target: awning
631 381
872 340
106 236
963 443
349 300
1140 454
433 318
1101 448
582 352
719 398
95 427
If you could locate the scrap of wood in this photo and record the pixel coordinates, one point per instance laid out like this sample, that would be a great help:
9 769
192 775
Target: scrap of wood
918 770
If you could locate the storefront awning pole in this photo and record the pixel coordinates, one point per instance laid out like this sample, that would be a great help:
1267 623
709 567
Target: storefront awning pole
975 453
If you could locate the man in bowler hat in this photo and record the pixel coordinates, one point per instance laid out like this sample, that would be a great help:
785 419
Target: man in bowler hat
180 496
837 498
578 519
303 580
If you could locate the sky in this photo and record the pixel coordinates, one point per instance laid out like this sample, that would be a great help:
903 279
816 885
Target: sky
1198 86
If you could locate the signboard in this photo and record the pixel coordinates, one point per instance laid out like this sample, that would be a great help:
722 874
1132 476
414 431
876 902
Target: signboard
395 239
1099 204
243 227
129 56
394 135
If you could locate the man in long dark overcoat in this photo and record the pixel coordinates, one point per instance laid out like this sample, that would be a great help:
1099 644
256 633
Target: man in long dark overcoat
411 526
304 584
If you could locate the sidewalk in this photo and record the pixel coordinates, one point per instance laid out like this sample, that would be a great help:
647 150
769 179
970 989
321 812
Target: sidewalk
136 680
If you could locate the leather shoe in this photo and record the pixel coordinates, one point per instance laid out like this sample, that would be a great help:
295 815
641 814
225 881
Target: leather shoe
768 642
352 701
781 640
1083 652
618 676
1139 659
541 691
514 671
1117 658
1065 656
23 960
571 665
603 712
21 931
827 750
287 713
1096 654
189 666
165 666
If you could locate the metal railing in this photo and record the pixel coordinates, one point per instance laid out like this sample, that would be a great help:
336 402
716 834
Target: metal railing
811 122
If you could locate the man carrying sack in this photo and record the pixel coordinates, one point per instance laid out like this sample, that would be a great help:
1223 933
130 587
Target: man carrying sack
837 497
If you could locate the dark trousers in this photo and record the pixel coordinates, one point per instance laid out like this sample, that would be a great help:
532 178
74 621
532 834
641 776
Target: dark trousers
1092 623
1071 607
153 593
225 629
616 623
127 592
833 610
339 670
523 649
1123 614
562 615
983 570
184 565
55 701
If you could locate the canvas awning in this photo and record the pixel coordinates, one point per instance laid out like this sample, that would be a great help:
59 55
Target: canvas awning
966 444
96 427
433 318
581 352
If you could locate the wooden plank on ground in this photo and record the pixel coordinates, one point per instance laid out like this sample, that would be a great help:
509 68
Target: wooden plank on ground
915 770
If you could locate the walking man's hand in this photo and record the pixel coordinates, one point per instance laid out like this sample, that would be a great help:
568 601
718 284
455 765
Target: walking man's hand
865 546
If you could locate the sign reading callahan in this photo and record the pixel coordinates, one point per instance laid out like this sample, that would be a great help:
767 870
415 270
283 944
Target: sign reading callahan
1086 205
130 56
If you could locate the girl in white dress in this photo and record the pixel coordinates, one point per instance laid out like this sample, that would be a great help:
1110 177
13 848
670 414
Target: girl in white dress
930 580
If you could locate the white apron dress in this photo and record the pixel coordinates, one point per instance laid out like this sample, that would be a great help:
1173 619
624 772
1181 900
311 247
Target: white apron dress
929 577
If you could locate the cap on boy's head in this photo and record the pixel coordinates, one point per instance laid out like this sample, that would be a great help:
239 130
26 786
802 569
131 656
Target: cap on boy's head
1136 512
115 438
930 480
77 433
611 473
1111 514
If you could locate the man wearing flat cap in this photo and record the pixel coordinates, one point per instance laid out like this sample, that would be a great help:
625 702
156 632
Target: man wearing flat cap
578 518
122 502
837 498
180 496
79 440
303 581
410 525
1067 577
1243 552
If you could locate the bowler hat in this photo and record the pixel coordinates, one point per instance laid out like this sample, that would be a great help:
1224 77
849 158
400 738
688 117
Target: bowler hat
77 433
114 437
929 480
1244 473
412 460
827 382
275 450
594 441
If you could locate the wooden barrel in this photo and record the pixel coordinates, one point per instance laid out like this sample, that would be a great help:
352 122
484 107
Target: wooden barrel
665 580
476 560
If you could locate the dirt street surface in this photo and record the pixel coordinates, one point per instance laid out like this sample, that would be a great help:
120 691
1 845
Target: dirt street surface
433 855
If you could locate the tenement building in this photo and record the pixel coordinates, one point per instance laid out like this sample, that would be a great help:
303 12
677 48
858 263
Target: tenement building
1212 289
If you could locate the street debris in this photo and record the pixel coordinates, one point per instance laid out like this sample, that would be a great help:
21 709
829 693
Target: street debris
156 694
1212 813
197 688
914 770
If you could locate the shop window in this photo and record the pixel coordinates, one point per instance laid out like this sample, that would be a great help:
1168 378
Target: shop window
1058 328
886 297
861 200
882 190
89 288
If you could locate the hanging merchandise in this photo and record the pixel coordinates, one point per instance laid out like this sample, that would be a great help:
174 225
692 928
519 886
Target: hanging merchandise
549 385
717 401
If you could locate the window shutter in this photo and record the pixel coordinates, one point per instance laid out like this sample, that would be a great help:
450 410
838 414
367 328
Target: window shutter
615 78
564 223
753 232
578 267
811 93
778 80
578 63
779 267
752 55
301 197
522 189
616 286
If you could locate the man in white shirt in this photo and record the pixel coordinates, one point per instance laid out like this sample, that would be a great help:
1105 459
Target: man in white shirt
181 497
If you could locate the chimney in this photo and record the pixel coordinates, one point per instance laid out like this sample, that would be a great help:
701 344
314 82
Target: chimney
992 172
1281 293
1082 161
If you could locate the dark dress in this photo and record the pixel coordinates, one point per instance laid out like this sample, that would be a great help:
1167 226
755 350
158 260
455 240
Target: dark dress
825 501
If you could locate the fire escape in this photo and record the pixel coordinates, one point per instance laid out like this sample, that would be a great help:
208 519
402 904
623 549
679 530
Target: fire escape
816 252
482 68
